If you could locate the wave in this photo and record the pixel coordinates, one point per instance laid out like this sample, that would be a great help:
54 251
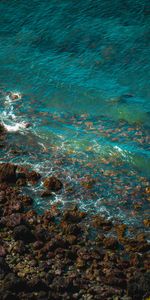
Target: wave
9 119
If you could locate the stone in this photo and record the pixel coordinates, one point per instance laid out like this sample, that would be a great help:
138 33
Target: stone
111 243
37 284
53 184
45 193
138 286
2 251
21 182
14 220
14 283
4 267
22 232
8 173
33 176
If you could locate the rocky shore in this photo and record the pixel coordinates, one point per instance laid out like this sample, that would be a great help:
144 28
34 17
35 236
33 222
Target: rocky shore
65 255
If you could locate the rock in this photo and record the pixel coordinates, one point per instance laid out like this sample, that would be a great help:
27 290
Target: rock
27 200
14 220
21 181
53 184
40 233
24 175
9 296
2 129
45 194
2 251
38 245
139 286
146 222
33 176
73 215
37 284
22 232
19 247
3 198
4 268
111 243
8 173
99 221
13 283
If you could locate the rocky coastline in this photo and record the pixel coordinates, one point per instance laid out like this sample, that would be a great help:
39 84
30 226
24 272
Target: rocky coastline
65 254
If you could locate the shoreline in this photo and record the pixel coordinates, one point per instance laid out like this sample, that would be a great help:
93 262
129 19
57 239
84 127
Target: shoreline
65 254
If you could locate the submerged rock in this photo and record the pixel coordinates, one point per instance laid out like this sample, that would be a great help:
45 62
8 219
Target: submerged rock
25 176
53 184
8 173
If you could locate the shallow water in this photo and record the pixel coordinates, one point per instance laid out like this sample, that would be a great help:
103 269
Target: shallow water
83 71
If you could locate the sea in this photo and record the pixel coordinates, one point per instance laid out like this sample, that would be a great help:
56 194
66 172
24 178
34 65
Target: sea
75 99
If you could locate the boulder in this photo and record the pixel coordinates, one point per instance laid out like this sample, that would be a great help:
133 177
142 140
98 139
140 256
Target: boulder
53 184
22 232
8 173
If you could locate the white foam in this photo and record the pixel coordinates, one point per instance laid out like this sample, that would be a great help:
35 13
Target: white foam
12 97
14 128
9 119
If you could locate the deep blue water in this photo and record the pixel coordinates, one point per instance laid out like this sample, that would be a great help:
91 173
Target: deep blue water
83 70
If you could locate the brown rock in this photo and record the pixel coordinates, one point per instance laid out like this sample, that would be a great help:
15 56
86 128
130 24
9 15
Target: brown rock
45 194
21 182
99 221
33 176
8 173
14 220
147 222
2 251
110 243
23 233
53 184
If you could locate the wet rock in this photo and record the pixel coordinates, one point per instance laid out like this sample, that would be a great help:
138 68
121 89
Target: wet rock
146 222
45 194
53 184
138 287
27 176
120 229
30 217
40 233
14 220
8 173
2 251
4 268
101 222
2 129
3 198
37 284
21 182
22 232
19 247
38 245
27 200
111 243
33 177
73 215
13 283
9 296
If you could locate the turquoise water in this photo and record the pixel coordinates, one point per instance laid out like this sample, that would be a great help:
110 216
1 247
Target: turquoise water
83 71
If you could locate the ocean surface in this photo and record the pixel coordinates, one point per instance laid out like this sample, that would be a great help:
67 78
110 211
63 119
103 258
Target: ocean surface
82 73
